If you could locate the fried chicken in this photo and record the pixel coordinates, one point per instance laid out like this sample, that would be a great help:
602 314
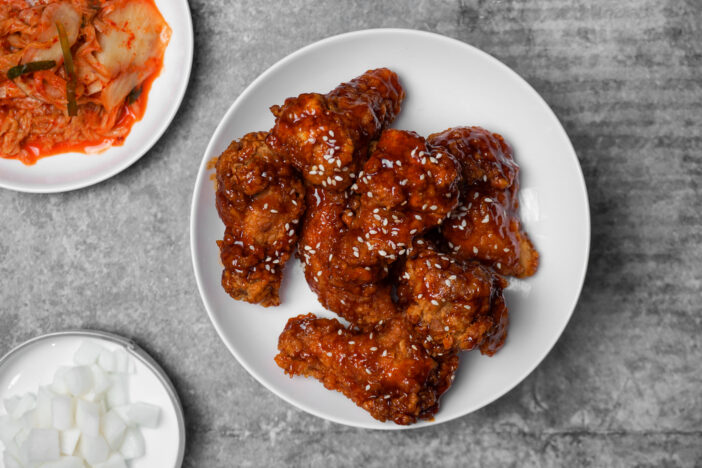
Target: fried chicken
383 371
260 199
326 137
452 304
355 292
486 225
349 242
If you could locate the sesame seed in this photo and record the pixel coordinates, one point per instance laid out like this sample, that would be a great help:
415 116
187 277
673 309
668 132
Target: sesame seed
340 331
414 347
475 250
446 328
374 348
329 354
385 352
367 387
486 219
435 302
368 372
352 342
433 207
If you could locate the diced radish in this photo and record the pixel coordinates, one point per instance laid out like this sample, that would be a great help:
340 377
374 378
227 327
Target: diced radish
118 394
101 381
65 462
115 461
113 428
122 411
79 380
94 449
69 440
11 403
10 461
63 410
8 429
59 382
107 361
43 412
42 445
133 445
87 353
26 403
88 418
123 362
143 414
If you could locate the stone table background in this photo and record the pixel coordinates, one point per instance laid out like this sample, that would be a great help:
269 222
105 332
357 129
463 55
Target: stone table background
622 387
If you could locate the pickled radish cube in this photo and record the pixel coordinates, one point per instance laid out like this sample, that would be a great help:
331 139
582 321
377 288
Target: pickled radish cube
59 382
26 403
133 445
63 410
43 412
79 380
118 393
101 381
10 461
11 403
68 440
107 361
143 414
122 411
94 449
87 353
88 418
42 445
8 429
115 461
65 462
123 363
113 428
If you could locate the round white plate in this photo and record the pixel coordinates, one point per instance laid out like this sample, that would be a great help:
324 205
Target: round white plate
34 362
448 83
70 171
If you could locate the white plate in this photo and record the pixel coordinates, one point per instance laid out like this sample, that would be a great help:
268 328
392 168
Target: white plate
33 363
70 171
448 83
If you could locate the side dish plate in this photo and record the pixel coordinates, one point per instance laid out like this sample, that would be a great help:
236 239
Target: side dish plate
33 363
70 171
448 83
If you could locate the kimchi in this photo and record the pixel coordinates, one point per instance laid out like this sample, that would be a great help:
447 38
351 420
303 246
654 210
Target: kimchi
75 74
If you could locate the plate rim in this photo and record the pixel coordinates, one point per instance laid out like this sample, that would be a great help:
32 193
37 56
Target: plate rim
132 348
201 178
155 137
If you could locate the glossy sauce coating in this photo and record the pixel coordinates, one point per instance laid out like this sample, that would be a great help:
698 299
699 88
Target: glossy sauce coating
260 199
486 225
383 371
326 137
452 305
349 241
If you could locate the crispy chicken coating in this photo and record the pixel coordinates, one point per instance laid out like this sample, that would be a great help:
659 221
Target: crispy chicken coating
326 137
382 371
452 304
350 241
404 189
486 225
356 292
260 199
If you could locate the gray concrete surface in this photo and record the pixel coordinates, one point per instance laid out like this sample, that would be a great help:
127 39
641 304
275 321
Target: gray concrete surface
623 386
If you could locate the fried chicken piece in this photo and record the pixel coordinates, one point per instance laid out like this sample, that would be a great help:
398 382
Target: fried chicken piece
452 304
486 225
355 292
260 199
383 372
404 189
350 241
326 137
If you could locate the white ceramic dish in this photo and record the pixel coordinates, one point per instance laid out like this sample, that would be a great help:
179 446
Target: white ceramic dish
34 362
448 83
70 171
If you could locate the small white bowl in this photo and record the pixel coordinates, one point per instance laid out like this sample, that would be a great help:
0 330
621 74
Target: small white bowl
34 362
